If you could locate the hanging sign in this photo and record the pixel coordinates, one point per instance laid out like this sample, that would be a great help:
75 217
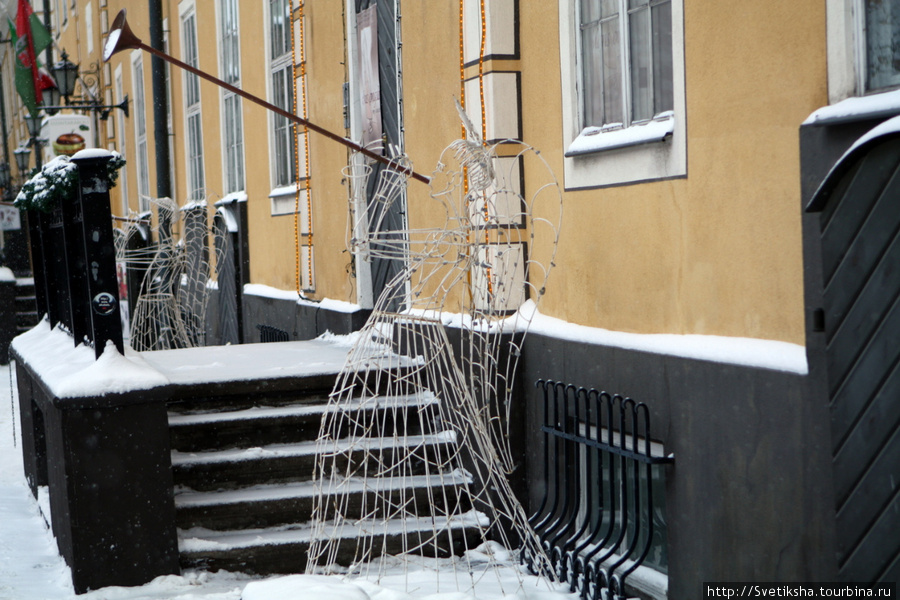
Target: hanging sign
369 86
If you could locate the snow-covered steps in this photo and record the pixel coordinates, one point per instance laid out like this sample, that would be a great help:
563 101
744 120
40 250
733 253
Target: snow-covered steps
280 504
289 421
244 452
26 305
284 549
242 467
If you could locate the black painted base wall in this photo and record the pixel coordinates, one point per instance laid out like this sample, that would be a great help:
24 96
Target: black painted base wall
106 462
7 317
301 321
749 497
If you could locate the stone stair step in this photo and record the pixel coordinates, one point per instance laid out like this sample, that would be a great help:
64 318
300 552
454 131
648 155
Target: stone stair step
284 549
242 467
243 401
279 504
292 423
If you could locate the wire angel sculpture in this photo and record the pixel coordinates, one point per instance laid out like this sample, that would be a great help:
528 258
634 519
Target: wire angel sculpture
413 454
170 311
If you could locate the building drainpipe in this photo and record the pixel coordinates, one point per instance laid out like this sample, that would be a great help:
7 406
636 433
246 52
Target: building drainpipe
160 107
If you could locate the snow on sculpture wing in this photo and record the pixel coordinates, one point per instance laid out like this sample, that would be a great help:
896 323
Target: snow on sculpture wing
414 450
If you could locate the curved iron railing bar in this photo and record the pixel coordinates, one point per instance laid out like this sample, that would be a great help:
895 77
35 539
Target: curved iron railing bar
629 405
558 445
570 466
569 549
573 487
649 489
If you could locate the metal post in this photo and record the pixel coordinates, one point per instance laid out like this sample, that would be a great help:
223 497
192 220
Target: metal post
38 265
76 263
160 102
99 251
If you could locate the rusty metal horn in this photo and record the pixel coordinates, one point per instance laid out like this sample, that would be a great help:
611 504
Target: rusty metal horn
121 38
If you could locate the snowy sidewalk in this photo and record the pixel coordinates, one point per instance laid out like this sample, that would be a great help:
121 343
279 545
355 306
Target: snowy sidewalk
30 566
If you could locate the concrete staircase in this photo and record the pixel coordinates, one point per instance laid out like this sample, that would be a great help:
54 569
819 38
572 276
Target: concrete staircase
243 465
26 305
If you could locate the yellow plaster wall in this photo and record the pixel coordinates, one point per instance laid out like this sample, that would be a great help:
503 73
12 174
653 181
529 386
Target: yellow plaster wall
719 252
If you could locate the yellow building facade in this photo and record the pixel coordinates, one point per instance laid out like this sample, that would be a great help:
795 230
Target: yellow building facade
689 145
695 234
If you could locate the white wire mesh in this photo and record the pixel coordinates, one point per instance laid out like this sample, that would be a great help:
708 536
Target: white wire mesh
170 311
413 456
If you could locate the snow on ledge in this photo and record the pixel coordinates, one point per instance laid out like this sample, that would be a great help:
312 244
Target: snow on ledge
857 109
598 139
72 372
748 352
265 291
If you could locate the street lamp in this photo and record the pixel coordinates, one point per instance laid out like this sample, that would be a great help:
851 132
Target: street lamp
33 122
23 157
66 75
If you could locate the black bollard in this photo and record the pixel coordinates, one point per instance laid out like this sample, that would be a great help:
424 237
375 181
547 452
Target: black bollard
99 248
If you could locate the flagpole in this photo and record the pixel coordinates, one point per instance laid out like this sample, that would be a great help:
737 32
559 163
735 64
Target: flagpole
48 51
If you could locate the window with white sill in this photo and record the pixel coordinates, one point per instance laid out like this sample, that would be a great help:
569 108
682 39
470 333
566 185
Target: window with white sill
232 119
623 91
193 108
140 131
882 44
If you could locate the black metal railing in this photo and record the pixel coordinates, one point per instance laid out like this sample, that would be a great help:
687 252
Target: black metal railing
73 255
269 333
599 519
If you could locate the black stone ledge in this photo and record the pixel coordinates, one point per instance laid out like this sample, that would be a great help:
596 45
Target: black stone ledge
107 400
181 391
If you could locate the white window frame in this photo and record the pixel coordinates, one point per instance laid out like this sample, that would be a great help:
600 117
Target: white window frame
846 47
120 137
193 105
89 26
599 157
280 185
142 165
170 126
233 165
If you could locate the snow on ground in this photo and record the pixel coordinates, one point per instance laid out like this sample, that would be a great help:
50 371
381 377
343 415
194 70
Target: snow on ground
31 568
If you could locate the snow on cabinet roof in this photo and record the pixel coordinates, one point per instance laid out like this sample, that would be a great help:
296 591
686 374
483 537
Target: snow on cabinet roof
890 128
92 153
857 109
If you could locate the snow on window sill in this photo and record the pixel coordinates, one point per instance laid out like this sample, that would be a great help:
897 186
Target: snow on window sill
599 139
288 190
284 199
